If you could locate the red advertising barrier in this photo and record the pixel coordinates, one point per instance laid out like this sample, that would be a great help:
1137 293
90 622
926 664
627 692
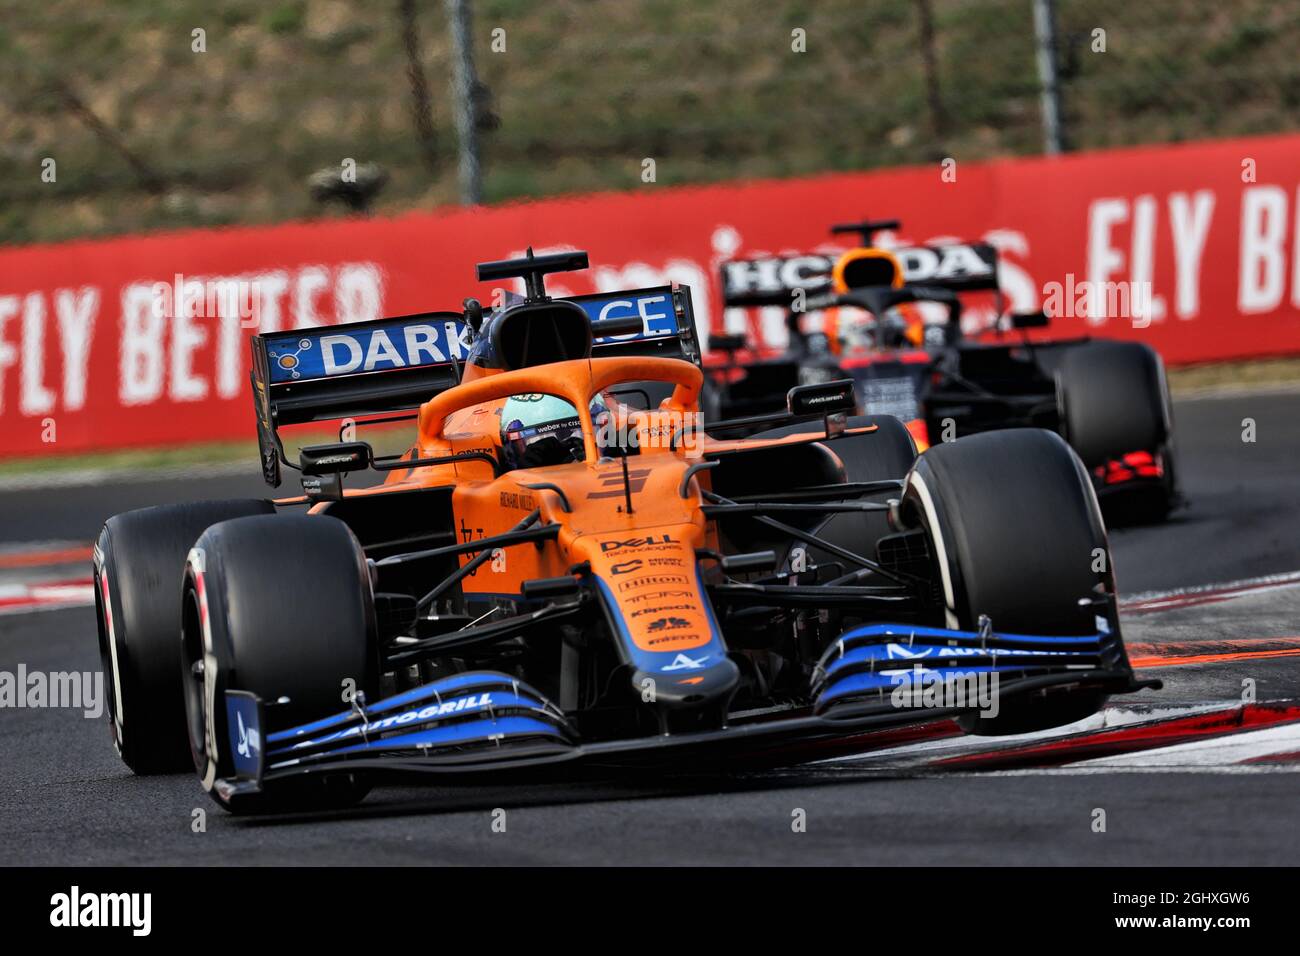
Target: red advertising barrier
89 360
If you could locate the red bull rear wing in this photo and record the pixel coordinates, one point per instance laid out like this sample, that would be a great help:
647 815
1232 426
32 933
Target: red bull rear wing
773 280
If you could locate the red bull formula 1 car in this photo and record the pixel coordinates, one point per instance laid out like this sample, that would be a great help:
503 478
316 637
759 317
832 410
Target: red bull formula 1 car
564 569
1108 399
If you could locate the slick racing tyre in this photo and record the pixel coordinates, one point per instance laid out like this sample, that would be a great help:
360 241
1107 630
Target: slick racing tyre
886 453
1016 535
1113 400
280 606
139 564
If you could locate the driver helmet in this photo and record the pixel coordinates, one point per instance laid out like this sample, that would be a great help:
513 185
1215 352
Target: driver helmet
900 327
539 430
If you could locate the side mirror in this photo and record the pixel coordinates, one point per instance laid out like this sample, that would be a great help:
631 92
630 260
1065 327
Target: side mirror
1029 320
825 398
336 458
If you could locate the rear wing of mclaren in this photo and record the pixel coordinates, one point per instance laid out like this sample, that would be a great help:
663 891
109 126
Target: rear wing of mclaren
773 280
667 322
397 364
345 371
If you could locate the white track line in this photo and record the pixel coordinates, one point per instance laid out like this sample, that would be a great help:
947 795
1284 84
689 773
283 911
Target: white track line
1107 719
22 598
84 477
1233 748
1159 600
1085 770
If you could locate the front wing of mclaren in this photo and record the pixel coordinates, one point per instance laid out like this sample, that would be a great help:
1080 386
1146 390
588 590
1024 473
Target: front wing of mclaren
873 678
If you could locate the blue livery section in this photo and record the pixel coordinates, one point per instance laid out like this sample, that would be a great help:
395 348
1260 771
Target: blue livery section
883 659
244 726
337 350
478 707
480 731
654 307
714 651
428 710
447 687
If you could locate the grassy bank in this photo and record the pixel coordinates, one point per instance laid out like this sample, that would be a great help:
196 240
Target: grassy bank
149 134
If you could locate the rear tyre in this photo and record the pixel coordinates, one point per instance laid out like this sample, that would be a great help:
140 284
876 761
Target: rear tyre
138 566
290 617
1016 535
1114 400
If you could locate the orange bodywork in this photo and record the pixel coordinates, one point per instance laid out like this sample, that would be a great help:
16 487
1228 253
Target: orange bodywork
645 557
920 433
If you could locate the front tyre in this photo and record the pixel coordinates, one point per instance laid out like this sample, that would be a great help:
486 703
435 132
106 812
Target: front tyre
280 607
1016 535
138 565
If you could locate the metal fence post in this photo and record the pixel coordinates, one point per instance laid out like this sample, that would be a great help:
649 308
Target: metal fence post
1045 36
464 85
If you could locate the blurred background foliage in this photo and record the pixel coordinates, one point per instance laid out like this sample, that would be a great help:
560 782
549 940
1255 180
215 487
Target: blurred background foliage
148 134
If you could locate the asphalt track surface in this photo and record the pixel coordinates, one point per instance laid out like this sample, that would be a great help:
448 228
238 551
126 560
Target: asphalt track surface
1214 783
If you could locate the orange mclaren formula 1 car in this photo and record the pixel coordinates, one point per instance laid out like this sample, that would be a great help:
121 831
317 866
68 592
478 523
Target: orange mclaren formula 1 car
1108 399
565 569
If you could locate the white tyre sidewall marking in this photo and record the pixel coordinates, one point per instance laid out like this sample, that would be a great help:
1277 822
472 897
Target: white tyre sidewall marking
196 565
118 711
936 535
